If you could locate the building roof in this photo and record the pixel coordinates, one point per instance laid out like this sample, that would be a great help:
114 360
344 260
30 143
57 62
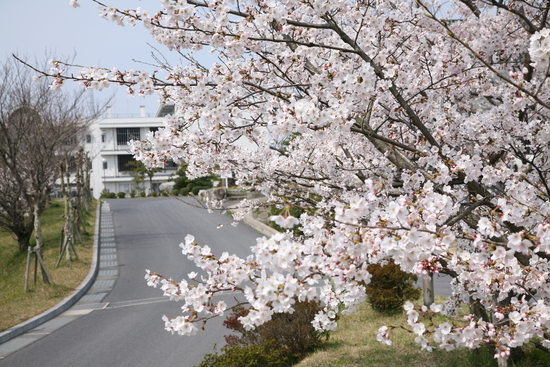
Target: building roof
165 110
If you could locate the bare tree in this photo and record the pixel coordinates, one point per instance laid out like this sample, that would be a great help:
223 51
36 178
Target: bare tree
38 127
15 214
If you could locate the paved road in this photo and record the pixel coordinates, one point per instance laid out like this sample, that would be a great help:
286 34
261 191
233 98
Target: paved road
129 331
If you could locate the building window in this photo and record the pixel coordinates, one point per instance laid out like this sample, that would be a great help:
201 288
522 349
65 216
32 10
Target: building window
170 164
88 138
71 163
105 164
123 187
124 135
123 161
69 141
103 138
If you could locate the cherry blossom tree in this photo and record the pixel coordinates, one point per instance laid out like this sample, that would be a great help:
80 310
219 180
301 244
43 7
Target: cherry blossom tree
404 130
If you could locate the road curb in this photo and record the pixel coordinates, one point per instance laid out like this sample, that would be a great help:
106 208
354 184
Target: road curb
69 301
250 220
264 229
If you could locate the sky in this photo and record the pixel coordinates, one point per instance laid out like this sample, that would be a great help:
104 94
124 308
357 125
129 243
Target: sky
37 28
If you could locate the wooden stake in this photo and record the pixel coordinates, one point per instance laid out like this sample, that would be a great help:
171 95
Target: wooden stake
46 278
35 269
28 269
428 290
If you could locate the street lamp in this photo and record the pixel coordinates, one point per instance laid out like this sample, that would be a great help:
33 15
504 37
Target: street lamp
104 160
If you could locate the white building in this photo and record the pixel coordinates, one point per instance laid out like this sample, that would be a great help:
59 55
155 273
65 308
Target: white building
107 144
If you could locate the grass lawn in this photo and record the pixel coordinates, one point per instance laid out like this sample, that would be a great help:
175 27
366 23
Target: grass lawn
354 344
16 305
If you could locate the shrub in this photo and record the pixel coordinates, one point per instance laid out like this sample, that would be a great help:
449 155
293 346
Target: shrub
164 193
291 332
390 287
154 194
132 193
121 195
181 181
280 342
142 194
263 355
176 192
195 190
184 192
107 195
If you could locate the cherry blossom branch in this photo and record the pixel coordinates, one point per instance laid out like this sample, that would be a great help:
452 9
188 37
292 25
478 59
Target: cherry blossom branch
526 22
501 76
402 102
371 134
452 221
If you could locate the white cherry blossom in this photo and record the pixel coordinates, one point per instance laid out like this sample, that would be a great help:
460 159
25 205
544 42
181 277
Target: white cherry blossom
401 132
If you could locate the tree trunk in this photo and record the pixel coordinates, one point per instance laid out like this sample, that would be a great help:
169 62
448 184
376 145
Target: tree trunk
38 248
23 239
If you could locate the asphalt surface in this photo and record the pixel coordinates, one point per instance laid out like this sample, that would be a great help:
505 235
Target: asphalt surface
121 324
118 322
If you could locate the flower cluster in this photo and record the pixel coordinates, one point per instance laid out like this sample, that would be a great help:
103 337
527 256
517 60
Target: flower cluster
402 136
539 49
